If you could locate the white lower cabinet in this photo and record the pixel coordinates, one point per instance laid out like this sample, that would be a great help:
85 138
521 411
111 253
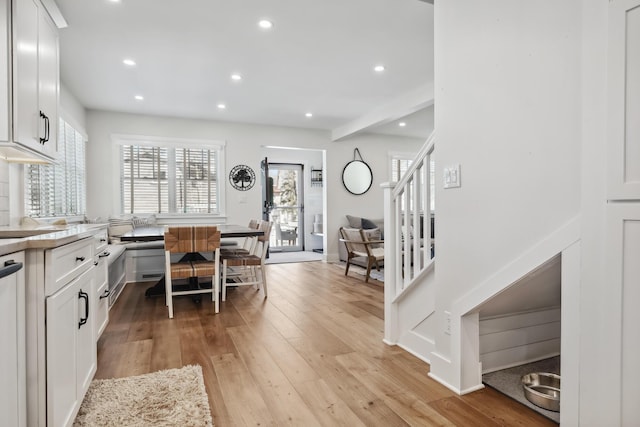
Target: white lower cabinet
101 293
13 395
71 349
62 358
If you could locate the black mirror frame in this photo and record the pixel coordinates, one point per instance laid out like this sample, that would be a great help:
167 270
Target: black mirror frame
370 177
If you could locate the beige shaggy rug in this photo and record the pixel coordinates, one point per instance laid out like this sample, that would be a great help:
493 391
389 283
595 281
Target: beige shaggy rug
174 397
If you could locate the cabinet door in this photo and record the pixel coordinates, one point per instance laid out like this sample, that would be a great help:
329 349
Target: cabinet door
4 71
12 342
26 119
101 297
48 89
623 277
71 350
86 350
623 145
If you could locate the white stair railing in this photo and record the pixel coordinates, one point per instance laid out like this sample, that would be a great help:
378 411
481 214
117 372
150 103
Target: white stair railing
408 243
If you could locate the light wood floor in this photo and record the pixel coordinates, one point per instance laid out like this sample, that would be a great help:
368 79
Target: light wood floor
311 354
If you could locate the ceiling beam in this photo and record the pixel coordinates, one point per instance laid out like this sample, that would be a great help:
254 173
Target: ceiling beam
401 106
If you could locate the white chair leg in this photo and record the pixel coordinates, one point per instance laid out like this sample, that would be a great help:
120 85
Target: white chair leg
264 280
224 280
167 284
215 291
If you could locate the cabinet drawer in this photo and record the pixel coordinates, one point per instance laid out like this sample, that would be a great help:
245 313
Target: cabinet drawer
101 240
67 262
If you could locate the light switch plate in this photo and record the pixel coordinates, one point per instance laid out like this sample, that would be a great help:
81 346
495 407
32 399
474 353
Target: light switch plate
451 176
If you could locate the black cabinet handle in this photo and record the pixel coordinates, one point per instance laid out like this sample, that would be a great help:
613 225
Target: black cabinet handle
80 258
85 297
10 267
104 254
105 294
43 116
47 128
95 262
103 240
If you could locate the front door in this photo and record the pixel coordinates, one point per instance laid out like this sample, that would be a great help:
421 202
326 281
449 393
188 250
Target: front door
287 212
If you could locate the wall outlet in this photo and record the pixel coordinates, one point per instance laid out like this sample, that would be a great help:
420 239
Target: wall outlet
447 323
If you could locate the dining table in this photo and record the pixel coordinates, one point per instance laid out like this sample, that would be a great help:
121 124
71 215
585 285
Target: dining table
156 233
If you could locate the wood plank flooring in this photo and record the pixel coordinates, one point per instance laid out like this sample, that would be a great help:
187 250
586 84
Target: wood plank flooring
309 355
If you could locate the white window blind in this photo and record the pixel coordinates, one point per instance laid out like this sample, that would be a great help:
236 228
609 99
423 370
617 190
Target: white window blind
58 189
156 179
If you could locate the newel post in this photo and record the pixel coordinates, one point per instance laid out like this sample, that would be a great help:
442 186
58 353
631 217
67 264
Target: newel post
390 254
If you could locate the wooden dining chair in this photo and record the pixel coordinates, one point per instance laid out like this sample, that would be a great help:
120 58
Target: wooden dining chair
246 246
247 269
193 243
359 246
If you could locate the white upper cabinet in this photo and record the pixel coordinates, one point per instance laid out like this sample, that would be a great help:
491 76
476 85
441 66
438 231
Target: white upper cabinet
623 163
4 71
48 82
34 79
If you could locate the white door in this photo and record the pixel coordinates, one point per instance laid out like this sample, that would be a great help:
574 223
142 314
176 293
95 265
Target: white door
48 85
71 350
26 120
4 71
623 202
12 342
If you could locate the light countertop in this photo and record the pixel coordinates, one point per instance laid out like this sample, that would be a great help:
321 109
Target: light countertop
14 239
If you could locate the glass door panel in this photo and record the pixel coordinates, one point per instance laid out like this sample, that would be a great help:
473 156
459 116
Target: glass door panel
287 213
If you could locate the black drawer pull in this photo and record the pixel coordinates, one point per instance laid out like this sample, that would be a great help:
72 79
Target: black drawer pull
105 294
80 258
104 254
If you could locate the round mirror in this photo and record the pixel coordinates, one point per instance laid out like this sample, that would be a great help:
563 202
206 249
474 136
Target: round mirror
357 177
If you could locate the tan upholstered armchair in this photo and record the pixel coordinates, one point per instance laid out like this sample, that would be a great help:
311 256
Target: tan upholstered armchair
359 246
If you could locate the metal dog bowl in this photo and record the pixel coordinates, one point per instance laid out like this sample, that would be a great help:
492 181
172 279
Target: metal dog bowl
543 390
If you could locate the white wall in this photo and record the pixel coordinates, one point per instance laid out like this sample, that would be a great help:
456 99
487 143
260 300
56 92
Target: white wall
508 111
71 110
244 145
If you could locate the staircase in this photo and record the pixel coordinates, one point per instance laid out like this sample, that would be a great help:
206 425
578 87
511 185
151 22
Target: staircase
414 322
409 256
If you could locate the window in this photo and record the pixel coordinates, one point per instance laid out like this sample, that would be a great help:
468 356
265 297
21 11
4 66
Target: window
58 189
161 178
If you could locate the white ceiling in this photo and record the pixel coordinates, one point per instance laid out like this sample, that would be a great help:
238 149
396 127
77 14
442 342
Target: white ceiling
318 58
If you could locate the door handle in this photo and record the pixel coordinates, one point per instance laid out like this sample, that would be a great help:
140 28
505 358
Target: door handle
85 297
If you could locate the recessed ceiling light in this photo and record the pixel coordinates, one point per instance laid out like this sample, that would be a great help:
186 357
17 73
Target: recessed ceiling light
129 62
114 1
309 114
265 23
139 97
378 68
402 124
222 106
236 77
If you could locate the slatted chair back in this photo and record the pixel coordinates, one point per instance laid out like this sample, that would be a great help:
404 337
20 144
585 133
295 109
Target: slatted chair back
187 239
192 240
